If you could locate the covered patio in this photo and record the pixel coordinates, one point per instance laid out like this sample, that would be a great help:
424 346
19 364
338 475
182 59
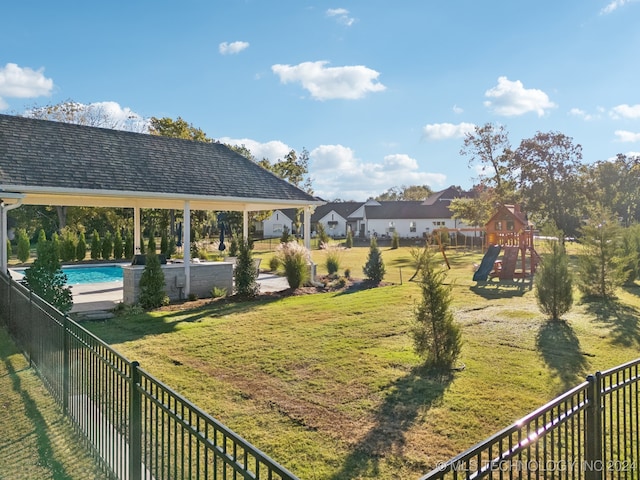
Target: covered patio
59 164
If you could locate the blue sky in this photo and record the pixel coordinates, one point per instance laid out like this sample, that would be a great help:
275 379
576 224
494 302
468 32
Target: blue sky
380 93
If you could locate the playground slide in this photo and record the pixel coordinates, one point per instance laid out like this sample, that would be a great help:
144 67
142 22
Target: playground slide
486 265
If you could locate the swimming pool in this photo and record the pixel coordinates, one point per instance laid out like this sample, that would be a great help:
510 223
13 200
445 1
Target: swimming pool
78 275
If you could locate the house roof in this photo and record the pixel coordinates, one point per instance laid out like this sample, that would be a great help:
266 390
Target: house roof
56 163
344 209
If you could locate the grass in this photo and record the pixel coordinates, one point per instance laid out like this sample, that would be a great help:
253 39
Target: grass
329 385
36 441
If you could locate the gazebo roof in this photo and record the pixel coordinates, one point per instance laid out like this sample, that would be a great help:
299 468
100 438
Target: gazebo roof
54 163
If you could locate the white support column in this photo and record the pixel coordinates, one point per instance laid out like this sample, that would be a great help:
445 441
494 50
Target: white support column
186 247
245 225
4 208
137 232
307 227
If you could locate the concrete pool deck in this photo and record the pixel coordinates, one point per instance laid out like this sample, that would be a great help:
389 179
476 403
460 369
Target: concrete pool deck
92 297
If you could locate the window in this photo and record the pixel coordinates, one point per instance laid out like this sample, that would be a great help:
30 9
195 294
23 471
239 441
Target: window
498 226
332 224
277 228
510 225
412 227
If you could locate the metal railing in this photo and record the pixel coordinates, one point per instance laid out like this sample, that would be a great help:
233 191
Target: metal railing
590 432
135 426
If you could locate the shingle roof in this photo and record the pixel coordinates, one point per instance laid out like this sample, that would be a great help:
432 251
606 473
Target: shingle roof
408 209
59 156
344 209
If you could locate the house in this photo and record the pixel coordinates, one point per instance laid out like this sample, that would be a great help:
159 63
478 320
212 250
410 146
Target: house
409 219
274 225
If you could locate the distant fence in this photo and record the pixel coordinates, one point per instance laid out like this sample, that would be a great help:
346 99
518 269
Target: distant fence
590 432
135 426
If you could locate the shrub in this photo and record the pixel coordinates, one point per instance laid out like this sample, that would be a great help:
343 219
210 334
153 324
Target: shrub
81 247
164 244
246 274
332 261
42 239
436 336
218 292
55 239
96 246
118 249
233 248
553 282
24 246
286 235
152 293
107 247
395 241
347 273
274 263
151 246
348 243
128 245
143 249
9 248
68 245
46 279
322 234
374 269
295 259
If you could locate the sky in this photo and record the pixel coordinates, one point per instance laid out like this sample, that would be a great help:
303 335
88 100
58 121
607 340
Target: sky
379 93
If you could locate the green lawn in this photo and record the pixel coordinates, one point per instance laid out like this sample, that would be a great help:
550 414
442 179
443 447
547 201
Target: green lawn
328 384
37 442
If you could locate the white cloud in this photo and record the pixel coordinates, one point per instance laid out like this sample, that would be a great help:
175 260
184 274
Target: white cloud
511 98
226 48
341 15
326 83
338 173
578 112
273 151
613 5
22 82
625 111
458 110
626 136
441 131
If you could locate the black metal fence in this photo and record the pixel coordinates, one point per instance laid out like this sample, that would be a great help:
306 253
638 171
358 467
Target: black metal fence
590 432
136 426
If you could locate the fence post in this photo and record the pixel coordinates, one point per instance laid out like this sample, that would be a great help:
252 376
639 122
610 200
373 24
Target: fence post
593 466
65 366
135 425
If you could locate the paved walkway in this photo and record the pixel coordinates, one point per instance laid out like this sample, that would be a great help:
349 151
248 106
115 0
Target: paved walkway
105 296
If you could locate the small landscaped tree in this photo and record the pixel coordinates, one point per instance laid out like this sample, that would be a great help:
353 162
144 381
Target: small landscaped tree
436 336
603 265
128 245
68 245
96 246
286 235
332 260
46 279
348 243
395 241
42 239
164 244
322 234
294 258
553 281
151 246
118 248
81 247
246 273
374 269
55 239
107 246
24 246
152 292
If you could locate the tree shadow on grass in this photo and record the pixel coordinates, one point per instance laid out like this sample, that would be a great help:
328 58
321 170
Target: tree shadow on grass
560 348
622 319
408 398
502 289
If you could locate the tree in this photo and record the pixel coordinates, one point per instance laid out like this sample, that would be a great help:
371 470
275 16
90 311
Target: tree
348 243
107 246
602 266
548 166
553 281
489 147
47 280
152 292
179 128
246 274
436 336
68 245
128 245
96 246
24 246
475 211
81 247
412 192
322 235
374 268
286 235
292 168
118 248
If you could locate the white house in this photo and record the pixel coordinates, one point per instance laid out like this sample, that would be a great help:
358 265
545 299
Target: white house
276 223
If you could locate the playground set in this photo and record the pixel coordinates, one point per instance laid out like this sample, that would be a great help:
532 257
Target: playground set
508 230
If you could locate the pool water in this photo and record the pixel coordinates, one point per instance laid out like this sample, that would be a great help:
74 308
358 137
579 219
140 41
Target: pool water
84 275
